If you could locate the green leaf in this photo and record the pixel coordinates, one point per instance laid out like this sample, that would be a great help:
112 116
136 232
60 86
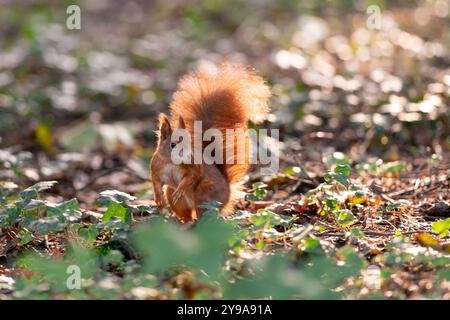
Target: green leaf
25 237
443 275
213 233
394 166
163 245
260 245
311 244
268 219
356 232
32 192
4 221
90 233
35 205
108 196
274 277
8 215
353 262
13 215
71 204
344 217
338 177
113 224
439 261
392 206
332 203
44 136
83 258
69 209
51 271
141 208
442 227
117 210
343 180
259 191
113 257
343 169
293 171
48 225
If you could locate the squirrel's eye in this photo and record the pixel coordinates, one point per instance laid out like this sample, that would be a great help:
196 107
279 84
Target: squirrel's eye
173 145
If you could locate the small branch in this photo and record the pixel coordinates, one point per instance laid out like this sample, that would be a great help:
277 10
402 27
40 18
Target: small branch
373 233
387 198
428 187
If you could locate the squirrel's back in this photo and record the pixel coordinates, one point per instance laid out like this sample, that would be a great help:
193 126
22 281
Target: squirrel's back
226 97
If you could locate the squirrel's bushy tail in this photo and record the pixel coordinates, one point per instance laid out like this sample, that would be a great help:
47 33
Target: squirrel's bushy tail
220 96
225 97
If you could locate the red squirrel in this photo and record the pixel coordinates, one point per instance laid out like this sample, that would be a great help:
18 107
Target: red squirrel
224 98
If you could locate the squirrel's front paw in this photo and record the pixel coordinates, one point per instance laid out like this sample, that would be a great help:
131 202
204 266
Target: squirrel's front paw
159 202
177 195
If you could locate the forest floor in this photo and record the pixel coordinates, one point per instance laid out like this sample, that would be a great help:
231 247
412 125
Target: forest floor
359 208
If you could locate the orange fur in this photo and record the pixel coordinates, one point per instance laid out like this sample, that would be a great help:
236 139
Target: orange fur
225 98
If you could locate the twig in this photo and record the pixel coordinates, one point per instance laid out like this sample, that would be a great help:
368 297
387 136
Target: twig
373 233
46 242
428 184
387 198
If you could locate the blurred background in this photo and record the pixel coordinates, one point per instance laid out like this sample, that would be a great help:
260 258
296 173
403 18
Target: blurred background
80 106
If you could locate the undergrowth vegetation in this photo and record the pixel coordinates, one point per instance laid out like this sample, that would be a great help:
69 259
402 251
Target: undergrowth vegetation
359 208
66 252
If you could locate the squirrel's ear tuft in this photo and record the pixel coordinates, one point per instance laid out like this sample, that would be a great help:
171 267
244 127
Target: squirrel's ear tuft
164 126
181 123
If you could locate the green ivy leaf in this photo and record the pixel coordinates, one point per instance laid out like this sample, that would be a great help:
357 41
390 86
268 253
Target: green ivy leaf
259 191
344 217
117 210
268 219
35 205
141 208
48 225
395 166
442 227
343 170
443 275
343 180
356 232
33 191
163 245
332 203
69 209
4 221
25 237
108 196
311 244
353 262
338 177
274 277
8 215
113 224
90 233
260 245
392 206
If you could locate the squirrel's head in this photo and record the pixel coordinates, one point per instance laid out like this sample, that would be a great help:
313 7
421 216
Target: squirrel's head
165 131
